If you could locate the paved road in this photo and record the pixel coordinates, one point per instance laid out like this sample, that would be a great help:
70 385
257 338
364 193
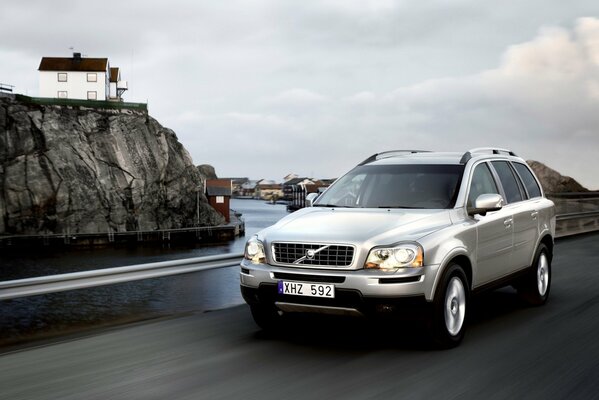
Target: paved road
510 352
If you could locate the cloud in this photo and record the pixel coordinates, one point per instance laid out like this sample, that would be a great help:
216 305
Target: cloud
296 98
265 87
361 98
541 101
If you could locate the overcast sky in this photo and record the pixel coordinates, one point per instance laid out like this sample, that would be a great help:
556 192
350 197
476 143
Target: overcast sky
267 87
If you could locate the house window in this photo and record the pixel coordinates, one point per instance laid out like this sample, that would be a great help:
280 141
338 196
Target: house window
92 95
62 94
220 199
92 77
62 77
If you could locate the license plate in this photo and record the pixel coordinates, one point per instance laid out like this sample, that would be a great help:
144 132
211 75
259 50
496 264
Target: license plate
306 289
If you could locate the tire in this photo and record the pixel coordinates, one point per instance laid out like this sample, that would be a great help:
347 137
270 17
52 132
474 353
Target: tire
535 285
266 317
450 305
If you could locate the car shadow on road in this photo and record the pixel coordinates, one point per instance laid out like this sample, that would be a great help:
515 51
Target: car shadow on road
406 332
498 304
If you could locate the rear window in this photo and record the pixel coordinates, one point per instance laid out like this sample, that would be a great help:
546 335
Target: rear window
529 181
396 186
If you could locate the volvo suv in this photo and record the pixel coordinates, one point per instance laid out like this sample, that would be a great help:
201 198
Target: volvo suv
403 228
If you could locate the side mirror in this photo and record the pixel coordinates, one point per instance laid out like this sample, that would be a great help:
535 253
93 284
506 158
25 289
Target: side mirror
486 203
310 199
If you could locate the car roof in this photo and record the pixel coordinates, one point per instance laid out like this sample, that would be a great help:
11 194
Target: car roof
441 158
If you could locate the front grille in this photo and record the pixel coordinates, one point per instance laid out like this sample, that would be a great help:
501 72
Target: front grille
313 254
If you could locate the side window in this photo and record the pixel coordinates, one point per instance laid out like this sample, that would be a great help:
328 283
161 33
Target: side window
508 181
482 183
532 187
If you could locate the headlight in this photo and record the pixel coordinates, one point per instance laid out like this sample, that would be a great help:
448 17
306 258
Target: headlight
254 251
401 256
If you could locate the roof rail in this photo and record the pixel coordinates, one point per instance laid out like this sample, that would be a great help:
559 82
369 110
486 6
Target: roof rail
489 150
379 156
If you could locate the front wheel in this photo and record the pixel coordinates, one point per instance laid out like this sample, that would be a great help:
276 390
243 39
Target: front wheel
450 304
266 317
534 286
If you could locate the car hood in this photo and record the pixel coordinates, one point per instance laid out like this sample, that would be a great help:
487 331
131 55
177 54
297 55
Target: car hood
358 226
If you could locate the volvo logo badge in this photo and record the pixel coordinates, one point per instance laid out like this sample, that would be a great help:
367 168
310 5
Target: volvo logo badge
310 254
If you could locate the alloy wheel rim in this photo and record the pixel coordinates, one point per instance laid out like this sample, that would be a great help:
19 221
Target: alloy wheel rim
455 306
543 274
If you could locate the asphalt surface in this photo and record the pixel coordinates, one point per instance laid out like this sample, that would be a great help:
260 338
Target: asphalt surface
510 352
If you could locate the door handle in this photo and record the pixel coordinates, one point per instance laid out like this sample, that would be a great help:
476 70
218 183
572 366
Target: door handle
534 214
508 222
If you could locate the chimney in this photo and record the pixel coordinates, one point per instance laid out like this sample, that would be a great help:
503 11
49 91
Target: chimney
77 56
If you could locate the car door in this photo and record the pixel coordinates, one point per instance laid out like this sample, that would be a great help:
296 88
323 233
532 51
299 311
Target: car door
494 230
526 220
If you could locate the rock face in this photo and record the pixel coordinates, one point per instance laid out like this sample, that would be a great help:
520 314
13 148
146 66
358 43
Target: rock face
552 181
207 171
81 170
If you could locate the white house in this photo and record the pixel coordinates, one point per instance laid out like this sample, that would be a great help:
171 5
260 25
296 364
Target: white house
80 78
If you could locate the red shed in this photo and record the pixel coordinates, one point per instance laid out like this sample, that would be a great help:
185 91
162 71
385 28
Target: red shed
218 192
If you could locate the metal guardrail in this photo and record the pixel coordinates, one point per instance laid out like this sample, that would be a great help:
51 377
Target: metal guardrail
579 215
79 280
576 212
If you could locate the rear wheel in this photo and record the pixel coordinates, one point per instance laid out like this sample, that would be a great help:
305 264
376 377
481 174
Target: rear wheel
535 285
450 304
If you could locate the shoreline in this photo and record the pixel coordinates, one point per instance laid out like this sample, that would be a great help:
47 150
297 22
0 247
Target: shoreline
180 236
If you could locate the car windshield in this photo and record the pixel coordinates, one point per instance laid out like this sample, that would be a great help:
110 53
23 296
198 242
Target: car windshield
395 186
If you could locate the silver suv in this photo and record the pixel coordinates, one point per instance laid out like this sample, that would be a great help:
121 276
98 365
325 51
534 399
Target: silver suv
407 227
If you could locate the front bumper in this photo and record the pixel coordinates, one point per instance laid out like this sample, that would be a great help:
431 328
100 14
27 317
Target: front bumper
362 290
346 302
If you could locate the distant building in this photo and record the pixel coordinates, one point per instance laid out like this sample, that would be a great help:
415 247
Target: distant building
80 78
289 177
248 189
218 192
306 184
269 191
237 184
296 189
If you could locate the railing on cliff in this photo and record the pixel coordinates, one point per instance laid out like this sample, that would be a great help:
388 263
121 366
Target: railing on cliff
114 105
4 87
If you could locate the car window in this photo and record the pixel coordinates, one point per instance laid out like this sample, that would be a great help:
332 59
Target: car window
349 191
508 181
396 186
482 183
532 187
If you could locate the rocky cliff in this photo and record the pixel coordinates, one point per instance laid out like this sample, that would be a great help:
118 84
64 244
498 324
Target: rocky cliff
207 171
554 182
70 169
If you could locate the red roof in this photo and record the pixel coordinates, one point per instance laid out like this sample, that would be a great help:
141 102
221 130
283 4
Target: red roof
73 64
